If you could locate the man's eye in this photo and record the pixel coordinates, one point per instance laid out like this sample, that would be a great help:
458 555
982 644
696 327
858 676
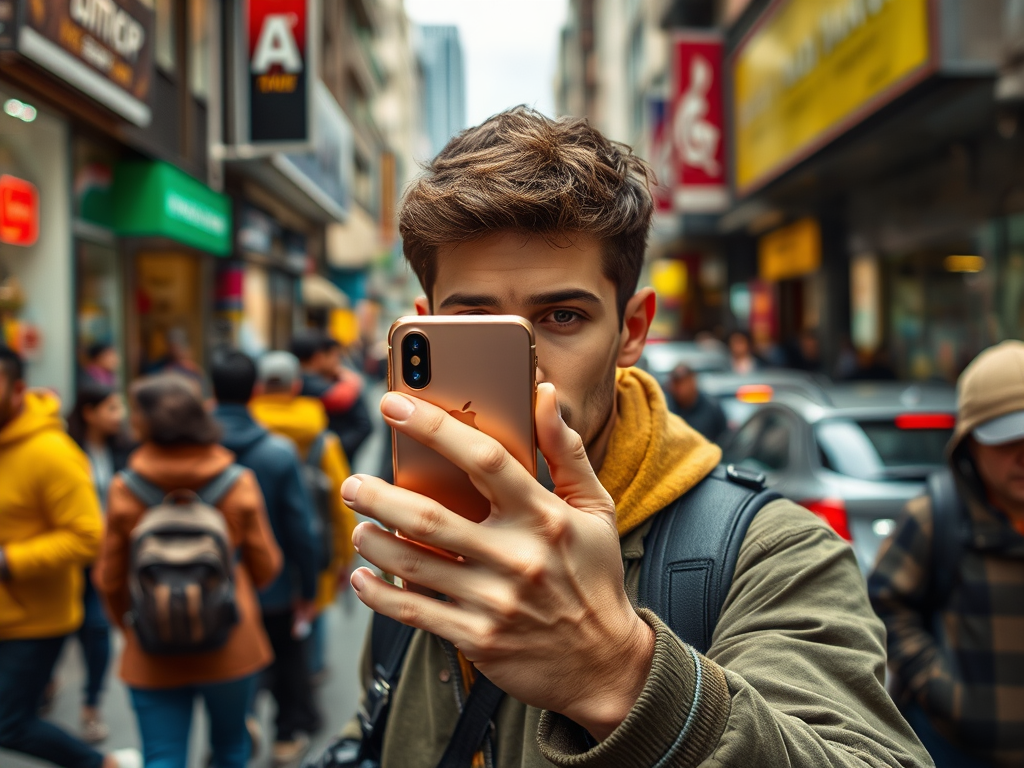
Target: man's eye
564 316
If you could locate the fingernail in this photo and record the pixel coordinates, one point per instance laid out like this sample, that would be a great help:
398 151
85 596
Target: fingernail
396 407
358 580
350 488
357 537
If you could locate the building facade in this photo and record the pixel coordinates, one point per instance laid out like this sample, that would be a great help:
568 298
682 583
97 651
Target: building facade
444 84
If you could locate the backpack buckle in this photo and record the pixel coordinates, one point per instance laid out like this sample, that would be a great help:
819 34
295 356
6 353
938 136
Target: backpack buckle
748 478
377 698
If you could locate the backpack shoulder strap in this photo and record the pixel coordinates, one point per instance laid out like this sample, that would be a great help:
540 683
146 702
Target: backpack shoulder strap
315 456
948 517
149 494
217 489
389 642
691 550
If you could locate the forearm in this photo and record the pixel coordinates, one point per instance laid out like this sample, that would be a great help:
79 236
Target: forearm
47 552
693 712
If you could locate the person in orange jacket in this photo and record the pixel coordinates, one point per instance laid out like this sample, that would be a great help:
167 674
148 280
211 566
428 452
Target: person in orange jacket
279 407
50 529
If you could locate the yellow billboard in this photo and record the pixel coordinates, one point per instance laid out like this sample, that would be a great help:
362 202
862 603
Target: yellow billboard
812 68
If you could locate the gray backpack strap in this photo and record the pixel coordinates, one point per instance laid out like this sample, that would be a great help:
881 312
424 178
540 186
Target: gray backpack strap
691 550
217 488
149 494
315 456
949 534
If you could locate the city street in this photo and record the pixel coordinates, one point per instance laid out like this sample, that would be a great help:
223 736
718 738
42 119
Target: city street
337 698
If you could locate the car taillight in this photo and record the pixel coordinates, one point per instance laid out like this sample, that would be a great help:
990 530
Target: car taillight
833 512
926 421
754 393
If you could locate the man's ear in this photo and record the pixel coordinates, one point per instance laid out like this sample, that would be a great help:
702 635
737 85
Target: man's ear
636 322
422 306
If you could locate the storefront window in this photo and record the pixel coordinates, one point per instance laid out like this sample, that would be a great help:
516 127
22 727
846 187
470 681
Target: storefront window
169 298
99 297
199 48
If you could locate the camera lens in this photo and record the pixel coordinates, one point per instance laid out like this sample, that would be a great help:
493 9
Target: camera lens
416 360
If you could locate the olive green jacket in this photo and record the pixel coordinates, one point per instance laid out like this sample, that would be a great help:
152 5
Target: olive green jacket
794 677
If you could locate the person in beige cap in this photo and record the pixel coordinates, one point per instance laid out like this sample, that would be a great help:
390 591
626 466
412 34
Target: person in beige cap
949 582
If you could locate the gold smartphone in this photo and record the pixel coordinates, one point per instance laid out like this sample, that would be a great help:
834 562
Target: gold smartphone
482 369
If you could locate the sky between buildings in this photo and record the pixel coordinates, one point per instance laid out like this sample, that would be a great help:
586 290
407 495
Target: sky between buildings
510 49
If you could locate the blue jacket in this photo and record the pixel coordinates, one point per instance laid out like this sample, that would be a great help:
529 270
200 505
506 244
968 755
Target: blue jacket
276 465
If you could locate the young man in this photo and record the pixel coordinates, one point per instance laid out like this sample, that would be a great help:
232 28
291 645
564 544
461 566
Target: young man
548 220
339 389
291 600
694 407
958 658
50 529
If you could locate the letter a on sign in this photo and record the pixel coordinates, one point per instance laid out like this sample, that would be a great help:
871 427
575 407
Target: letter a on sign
277 45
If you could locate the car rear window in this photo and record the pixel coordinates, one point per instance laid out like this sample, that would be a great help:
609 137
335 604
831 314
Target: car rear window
880 449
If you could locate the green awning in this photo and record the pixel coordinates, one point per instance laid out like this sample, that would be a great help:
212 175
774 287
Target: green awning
158 200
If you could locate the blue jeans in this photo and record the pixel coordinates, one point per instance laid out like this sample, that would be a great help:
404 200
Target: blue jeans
165 719
25 668
943 753
94 635
317 645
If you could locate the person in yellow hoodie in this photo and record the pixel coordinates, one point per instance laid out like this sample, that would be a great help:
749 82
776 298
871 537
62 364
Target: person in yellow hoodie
50 528
279 407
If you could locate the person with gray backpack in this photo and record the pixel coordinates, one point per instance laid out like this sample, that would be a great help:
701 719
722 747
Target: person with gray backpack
187 545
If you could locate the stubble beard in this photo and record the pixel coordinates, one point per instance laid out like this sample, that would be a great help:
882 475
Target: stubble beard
594 413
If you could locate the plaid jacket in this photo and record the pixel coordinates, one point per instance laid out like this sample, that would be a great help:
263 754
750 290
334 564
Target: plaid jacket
964 666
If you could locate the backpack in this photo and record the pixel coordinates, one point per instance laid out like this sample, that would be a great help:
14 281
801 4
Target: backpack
181 567
689 559
321 491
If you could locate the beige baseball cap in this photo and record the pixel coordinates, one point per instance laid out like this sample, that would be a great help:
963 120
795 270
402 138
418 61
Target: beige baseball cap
990 397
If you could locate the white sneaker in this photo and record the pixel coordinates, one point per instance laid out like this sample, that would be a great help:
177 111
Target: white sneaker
127 758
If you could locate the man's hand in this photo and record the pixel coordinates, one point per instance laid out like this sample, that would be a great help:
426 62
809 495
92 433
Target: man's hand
535 593
303 614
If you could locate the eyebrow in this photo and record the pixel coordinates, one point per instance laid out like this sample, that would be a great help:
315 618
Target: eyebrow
536 300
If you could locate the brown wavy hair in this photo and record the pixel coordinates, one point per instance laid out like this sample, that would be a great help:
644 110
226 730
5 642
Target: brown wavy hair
523 172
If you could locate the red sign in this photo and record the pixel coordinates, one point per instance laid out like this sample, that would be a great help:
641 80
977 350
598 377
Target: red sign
278 73
19 211
698 123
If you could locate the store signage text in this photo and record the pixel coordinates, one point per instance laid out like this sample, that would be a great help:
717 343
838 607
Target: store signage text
102 47
790 252
19 211
195 214
279 80
810 69
698 124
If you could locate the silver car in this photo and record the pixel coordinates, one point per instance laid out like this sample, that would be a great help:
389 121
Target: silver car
853 454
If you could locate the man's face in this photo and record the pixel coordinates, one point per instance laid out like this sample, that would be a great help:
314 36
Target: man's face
1001 468
684 390
564 293
12 397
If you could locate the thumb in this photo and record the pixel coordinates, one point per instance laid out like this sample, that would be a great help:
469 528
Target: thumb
575 481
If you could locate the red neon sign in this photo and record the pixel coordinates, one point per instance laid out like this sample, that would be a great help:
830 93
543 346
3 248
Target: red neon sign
19 211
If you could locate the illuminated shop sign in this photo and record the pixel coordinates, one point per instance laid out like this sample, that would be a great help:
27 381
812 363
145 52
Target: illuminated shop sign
19 211
811 69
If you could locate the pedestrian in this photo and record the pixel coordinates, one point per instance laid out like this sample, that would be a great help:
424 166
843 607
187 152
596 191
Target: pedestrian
289 603
178 454
741 353
949 581
96 424
102 363
304 421
543 623
685 400
50 529
337 387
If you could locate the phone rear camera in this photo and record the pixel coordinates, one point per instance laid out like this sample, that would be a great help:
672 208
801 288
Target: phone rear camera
415 360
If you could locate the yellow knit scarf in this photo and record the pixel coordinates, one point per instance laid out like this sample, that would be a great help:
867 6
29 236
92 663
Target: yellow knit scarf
653 456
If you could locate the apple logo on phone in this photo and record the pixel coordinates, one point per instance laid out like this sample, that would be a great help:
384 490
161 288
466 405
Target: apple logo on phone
466 416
